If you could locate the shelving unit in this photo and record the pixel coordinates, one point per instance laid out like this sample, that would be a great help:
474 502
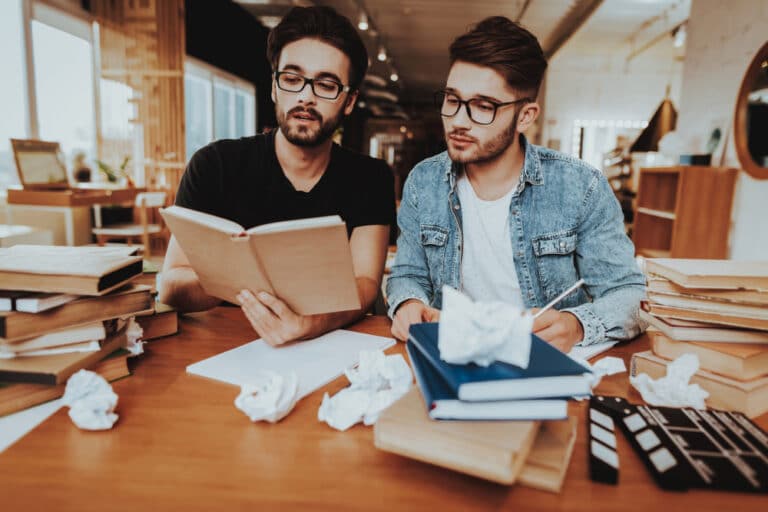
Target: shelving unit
684 212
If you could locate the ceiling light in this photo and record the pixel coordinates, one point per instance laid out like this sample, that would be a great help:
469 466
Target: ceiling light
382 56
363 23
394 77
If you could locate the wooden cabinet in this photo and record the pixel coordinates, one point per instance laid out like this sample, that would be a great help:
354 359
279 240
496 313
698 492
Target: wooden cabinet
684 212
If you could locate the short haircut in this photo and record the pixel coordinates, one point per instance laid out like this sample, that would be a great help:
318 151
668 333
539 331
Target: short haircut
511 50
328 26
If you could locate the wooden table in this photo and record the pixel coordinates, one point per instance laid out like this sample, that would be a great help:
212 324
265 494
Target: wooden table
180 444
67 213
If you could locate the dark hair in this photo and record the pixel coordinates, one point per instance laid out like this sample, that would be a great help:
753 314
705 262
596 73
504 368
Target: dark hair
327 25
508 48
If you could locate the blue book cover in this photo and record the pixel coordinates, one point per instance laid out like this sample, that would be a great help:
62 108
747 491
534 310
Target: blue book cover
550 373
441 401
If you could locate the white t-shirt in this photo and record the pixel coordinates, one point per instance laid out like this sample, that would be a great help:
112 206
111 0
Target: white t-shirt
487 262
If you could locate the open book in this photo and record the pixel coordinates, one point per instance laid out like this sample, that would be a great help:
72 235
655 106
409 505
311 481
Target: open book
307 262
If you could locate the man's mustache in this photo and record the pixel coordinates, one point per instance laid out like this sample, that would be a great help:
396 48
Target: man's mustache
314 114
462 134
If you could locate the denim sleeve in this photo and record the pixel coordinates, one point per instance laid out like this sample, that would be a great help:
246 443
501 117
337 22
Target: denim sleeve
605 260
410 276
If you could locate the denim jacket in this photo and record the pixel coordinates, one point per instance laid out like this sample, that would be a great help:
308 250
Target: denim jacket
565 224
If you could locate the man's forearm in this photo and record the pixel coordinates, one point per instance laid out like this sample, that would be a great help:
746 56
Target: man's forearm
180 288
367 289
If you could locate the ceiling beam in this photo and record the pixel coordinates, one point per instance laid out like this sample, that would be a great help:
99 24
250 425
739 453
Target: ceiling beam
576 16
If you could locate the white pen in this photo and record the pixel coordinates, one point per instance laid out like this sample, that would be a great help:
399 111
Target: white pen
560 297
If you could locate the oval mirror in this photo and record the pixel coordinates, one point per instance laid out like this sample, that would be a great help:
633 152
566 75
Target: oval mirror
750 127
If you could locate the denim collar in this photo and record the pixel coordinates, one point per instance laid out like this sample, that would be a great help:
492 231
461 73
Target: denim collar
531 167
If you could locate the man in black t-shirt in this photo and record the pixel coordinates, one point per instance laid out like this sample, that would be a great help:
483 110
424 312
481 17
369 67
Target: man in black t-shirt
295 172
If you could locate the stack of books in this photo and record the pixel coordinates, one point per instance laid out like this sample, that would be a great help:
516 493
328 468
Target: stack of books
514 425
717 310
64 309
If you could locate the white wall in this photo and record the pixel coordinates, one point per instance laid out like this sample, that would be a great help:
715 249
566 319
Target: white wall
606 88
722 39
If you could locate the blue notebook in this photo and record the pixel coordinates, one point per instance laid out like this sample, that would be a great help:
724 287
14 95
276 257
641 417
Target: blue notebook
442 403
550 373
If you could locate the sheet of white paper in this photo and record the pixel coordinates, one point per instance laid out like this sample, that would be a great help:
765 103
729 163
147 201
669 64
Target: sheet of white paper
15 426
590 351
316 362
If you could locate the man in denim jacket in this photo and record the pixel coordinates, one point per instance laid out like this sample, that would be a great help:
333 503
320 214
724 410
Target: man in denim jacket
502 219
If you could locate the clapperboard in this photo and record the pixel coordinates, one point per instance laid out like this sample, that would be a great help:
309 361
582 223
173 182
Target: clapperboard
683 448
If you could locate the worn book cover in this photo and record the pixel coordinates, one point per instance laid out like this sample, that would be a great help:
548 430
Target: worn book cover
750 398
738 361
56 369
127 301
492 450
687 330
713 317
69 270
307 262
17 396
715 274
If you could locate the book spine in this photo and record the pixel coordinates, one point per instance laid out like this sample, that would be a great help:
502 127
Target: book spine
421 380
436 364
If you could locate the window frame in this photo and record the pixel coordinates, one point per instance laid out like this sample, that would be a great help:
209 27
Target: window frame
203 71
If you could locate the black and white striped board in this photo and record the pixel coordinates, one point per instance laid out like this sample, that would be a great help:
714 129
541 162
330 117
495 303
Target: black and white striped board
603 457
685 448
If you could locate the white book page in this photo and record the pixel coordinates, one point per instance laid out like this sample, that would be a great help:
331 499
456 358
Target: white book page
43 302
590 351
15 426
294 225
316 362
204 219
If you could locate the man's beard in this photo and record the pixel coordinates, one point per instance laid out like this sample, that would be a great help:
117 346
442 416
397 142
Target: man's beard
487 151
307 136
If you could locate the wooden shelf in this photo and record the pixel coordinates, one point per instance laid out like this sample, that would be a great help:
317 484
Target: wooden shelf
684 212
656 213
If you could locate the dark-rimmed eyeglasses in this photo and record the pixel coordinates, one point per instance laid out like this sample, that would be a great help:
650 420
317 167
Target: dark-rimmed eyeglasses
321 87
479 110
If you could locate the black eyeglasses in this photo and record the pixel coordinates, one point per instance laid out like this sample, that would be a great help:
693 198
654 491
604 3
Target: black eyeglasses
321 87
480 111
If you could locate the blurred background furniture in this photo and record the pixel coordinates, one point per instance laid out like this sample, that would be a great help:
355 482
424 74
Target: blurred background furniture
684 212
146 206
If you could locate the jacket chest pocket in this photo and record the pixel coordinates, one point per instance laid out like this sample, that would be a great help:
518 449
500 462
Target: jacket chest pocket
555 255
434 240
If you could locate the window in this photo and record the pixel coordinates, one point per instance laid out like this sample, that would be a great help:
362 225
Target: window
13 121
197 108
64 85
223 96
217 105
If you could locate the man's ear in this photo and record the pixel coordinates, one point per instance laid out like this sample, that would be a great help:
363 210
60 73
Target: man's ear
528 115
350 102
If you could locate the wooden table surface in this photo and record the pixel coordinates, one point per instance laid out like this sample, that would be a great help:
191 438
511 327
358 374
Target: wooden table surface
180 444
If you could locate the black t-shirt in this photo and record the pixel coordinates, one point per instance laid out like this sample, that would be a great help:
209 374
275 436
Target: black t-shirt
241 180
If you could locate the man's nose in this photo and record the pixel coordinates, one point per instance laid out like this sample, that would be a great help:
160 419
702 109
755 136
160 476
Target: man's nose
461 119
307 94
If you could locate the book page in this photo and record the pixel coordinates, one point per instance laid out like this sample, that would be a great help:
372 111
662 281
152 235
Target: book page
311 270
202 219
64 260
224 262
298 224
316 362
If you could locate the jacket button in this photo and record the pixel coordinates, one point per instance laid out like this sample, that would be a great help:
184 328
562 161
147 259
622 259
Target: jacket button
562 245
456 207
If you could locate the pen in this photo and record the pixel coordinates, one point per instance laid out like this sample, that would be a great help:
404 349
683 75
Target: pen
560 297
